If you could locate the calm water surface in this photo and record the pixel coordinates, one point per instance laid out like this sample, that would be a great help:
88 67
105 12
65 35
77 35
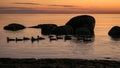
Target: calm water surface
101 48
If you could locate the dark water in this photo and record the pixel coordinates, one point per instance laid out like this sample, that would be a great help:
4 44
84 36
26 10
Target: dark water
103 46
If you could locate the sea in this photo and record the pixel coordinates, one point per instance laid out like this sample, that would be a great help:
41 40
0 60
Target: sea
102 48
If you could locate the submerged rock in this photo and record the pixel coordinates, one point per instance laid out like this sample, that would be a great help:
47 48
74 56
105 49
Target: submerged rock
14 27
34 26
83 21
46 29
114 32
41 25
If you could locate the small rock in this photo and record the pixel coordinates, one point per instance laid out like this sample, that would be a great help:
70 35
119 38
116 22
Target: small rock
114 32
14 27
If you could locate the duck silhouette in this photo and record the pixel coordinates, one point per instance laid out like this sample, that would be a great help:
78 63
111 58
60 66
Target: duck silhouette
59 37
40 38
17 39
26 38
33 39
67 37
51 38
10 39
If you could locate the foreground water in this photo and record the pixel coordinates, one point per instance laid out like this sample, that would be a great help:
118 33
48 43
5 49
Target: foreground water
103 47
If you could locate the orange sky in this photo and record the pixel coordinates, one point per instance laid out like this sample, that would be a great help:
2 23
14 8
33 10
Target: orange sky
60 6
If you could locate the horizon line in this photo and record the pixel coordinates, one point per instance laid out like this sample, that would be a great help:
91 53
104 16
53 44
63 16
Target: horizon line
59 13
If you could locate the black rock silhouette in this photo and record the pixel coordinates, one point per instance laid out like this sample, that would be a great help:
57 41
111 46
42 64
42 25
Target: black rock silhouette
63 30
83 21
14 27
46 29
114 32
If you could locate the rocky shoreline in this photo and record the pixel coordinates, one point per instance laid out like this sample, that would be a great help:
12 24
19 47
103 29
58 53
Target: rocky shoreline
57 63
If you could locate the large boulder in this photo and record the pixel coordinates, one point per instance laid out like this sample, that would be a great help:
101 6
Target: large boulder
14 27
63 30
83 21
46 29
114 32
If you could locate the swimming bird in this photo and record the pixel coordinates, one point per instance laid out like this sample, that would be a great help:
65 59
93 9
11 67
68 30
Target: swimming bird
25 38
52 38
9 39
87 39
80 38
40 38
59 37
67 37
17 39
33 39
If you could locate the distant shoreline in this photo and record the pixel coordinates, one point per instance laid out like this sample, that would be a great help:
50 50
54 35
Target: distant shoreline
57 63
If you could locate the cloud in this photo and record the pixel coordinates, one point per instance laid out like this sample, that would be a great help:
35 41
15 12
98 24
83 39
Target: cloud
43 5
27 10
7 8
63 5
26 3
21 10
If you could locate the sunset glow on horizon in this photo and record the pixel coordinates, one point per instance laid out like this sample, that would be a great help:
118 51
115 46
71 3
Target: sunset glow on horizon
62 6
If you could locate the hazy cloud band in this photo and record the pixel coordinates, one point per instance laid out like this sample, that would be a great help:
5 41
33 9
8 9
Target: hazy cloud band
63 5
26 10
27 3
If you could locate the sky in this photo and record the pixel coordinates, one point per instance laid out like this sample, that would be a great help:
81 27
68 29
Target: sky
60 6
